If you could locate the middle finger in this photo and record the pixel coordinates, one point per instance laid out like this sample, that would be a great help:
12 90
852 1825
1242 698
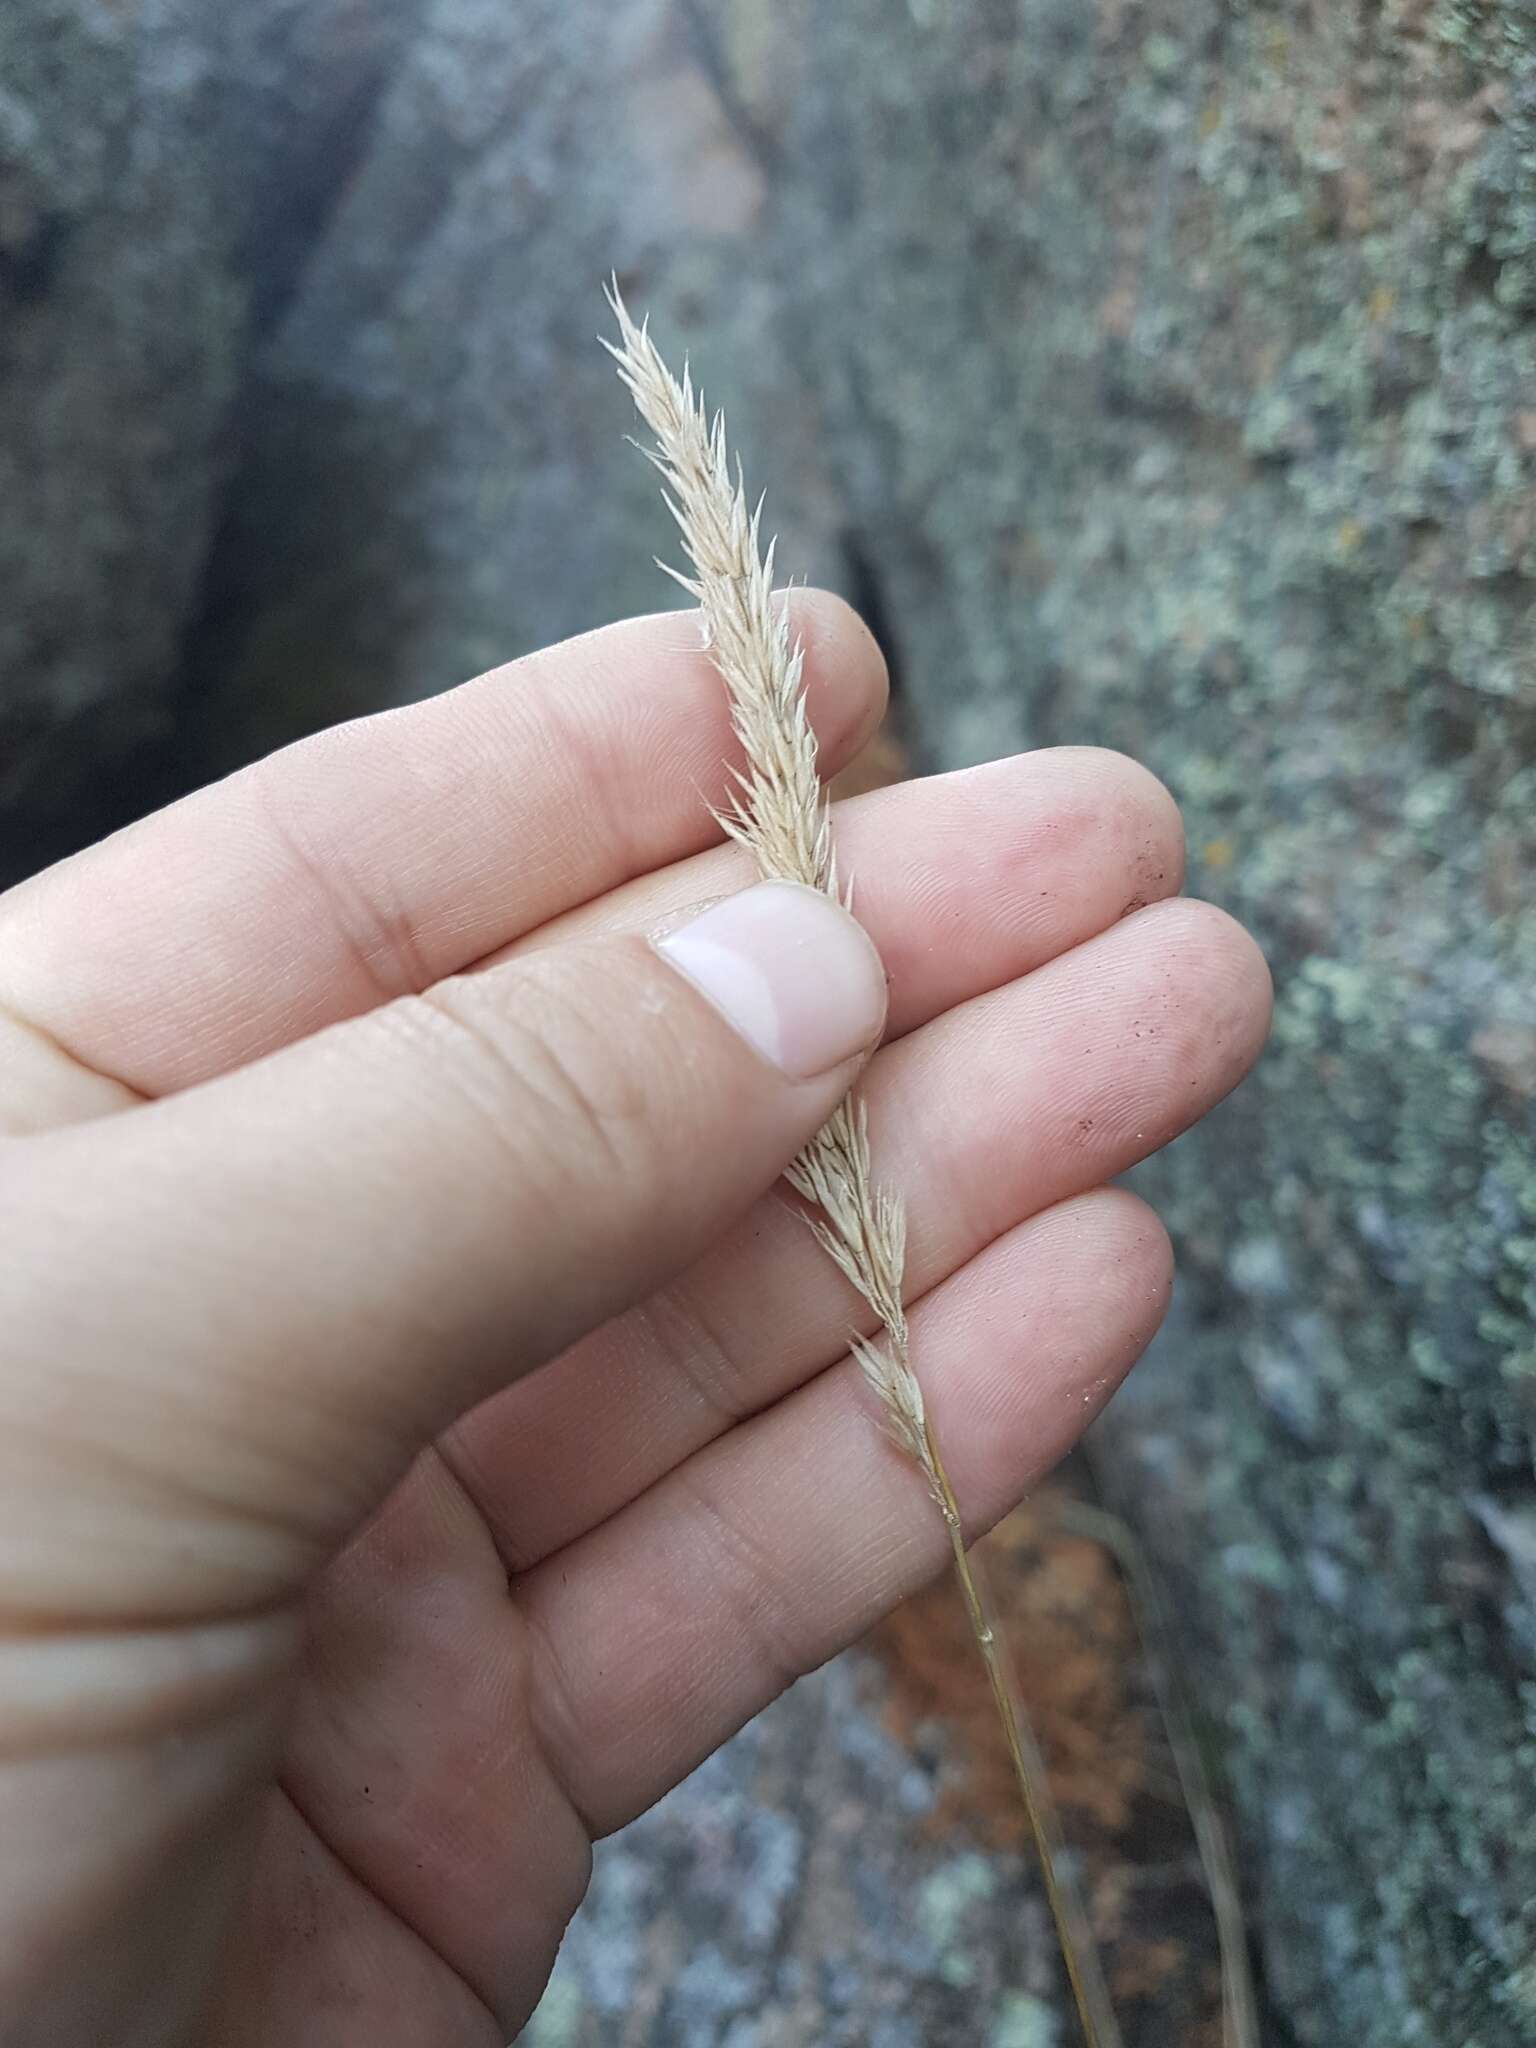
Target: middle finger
963 880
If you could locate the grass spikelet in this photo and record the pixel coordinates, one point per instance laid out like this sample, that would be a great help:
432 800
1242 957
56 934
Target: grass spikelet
779 814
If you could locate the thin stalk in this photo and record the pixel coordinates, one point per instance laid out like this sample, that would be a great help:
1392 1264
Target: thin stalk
1074 1935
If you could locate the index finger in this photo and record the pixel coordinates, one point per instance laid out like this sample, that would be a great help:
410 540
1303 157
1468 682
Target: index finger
375 859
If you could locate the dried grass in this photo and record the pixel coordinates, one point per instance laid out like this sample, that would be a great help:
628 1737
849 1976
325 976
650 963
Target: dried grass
779 814
1239 2000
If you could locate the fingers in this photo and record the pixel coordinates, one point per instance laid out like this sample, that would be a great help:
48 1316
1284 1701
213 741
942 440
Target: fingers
1021 1098
316 1948
299 1273
373 860
658 1634
779 1544
964 881
453 1787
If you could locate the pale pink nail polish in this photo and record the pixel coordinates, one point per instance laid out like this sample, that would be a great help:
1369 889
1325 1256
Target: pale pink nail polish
790 971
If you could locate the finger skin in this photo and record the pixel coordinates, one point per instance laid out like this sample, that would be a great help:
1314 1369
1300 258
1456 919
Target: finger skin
373 860
639 1648
299 1273
318 1961
1021 1098
444 1748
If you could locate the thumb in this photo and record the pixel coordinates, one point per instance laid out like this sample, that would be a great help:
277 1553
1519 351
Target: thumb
235 1315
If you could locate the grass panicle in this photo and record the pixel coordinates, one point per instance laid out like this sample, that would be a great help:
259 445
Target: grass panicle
779 815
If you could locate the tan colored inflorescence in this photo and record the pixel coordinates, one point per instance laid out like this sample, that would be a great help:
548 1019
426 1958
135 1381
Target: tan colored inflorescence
779 814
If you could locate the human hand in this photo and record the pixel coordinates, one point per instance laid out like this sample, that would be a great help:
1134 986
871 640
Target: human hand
345 1094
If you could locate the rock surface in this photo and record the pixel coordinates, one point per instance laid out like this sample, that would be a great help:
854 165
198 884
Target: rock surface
119 318
1179 390
1161 375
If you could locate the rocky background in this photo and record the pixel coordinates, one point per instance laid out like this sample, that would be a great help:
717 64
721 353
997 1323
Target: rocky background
1160 373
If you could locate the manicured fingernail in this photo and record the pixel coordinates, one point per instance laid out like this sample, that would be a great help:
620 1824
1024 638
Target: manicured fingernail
788 969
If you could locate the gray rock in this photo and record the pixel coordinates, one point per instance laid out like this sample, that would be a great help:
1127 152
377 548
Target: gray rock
119 323
1177 367
163 170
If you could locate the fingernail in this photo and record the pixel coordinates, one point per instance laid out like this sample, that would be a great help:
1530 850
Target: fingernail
790 970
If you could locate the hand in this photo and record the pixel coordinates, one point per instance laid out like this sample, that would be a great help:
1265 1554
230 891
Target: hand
350 1091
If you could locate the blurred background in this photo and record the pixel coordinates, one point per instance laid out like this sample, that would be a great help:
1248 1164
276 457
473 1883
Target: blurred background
1153 373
